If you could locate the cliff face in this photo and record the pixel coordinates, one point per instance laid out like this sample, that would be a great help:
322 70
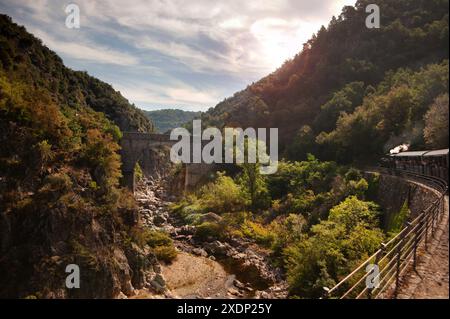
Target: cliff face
60 200
38 245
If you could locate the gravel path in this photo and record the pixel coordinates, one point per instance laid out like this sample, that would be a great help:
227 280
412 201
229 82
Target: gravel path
430 280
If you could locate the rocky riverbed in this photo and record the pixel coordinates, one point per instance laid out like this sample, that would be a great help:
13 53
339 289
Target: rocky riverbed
211 269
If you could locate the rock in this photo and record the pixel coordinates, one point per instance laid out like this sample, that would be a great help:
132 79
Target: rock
158 283
210 217
186 230
264 295
159 279
234 292
157 268
172 231
159 220
238 284
157 287
122 296
200 252
239 256
217 248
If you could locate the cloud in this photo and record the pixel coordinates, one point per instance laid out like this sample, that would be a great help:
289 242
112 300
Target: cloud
178 94
185 51
87 51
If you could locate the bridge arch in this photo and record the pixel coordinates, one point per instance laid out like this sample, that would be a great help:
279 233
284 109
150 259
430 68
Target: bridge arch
140 148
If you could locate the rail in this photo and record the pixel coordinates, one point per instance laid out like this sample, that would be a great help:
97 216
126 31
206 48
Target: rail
383 270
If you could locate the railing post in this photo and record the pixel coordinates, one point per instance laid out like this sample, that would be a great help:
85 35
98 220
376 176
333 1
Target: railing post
399 259
433 219
326 293
416 242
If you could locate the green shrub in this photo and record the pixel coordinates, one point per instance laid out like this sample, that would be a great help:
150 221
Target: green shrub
160 243
397 220
155 238
258 233
209 230
193 219
222 196
165 253
138 174
56 183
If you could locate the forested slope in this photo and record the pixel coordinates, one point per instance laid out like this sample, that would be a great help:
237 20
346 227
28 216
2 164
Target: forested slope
60 200
168 119
333 97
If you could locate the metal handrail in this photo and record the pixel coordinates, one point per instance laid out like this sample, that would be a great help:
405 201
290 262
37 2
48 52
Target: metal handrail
395 256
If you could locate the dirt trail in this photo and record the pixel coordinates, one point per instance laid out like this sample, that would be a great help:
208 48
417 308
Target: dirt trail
193 276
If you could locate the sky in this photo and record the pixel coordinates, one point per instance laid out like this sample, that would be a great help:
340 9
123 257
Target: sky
176 53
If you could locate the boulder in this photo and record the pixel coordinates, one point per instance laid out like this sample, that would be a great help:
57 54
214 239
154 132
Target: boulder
158 283
186 230
210 218
217 248
199 252
159 220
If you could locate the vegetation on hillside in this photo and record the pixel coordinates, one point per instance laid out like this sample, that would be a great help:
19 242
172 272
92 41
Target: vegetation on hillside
352 92
24 58
168 119
60 200
349 96
315 218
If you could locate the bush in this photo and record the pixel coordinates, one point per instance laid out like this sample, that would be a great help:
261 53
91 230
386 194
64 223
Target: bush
258 233
155 238
58 183
193 219
209 230
160 242
138 174
222 196
165 253
333 248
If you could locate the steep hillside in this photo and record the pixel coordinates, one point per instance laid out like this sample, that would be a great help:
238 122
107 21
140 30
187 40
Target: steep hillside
24 58
60 201
338 69
168 119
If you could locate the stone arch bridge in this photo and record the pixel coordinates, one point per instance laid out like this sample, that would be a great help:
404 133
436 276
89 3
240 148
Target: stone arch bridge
142 148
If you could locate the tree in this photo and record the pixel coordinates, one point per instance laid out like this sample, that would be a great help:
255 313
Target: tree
436 123
222 196
334 247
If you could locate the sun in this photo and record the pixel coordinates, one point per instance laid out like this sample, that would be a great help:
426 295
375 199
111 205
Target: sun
279 40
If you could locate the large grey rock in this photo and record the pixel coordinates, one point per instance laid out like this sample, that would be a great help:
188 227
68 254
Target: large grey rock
200 252
158 283
217 248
